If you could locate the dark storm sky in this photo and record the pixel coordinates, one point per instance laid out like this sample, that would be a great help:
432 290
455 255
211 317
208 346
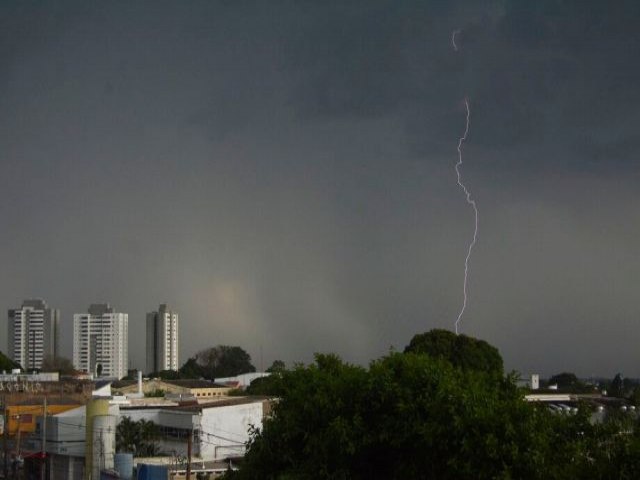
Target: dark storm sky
281 173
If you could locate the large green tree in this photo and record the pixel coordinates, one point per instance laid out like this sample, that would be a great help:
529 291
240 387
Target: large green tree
429 413
7 364
461 351
408 416
191 369
57 364
216 362
137 437
564 380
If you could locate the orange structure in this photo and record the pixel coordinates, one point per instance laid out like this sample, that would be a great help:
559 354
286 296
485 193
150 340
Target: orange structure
22 418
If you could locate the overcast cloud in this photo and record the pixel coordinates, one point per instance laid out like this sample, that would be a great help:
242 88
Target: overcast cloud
281 173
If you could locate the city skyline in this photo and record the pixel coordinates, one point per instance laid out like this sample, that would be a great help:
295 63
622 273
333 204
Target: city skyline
283 173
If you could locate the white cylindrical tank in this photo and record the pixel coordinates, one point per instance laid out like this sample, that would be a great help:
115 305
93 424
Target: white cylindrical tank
104 443
123 464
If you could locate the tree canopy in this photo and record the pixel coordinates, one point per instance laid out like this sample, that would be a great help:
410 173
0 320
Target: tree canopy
461 351
57 364
407 416
216 362
137 437
7 364
428 415
564 380
277 366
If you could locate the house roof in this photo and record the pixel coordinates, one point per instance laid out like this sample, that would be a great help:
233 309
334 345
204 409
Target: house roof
228 401
123 383
194 383
186 383
37 401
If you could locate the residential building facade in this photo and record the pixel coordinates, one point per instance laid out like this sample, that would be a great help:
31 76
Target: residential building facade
33 333
162 340
100 341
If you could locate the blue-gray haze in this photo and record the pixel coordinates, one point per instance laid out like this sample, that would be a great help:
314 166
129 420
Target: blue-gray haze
281 173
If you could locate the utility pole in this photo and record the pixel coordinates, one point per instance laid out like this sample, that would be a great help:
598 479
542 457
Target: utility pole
189 440
5 435
19 415
43 465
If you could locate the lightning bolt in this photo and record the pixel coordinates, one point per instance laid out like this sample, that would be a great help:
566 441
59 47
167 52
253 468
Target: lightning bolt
453 40
469 200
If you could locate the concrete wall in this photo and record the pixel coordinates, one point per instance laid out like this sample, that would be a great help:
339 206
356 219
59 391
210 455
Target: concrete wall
66 435
62 467
224 431
174 425
220 431
24 417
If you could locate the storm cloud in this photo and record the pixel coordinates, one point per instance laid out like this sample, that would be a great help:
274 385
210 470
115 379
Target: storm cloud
281 173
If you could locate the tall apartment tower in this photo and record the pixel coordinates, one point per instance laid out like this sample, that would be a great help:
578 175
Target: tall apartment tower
100 341
162 340
33 333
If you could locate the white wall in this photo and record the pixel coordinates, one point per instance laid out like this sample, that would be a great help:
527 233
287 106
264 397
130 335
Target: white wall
224 431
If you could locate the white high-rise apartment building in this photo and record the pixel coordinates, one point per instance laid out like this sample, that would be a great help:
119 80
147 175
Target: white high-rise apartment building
162 340
100 341
33 333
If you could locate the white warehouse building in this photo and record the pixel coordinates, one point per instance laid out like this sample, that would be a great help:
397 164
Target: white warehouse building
220 429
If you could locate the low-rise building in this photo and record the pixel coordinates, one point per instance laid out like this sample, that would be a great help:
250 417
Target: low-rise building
219 429
243 380
22 418
200 389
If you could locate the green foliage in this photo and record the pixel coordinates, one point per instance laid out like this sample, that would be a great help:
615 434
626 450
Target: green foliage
277 366
168 375
429 413
212 363
460 350
191 369
237 392
616 388
564 380
132 374
269 386
139 438
158 392
57 364
222 361
568 382
407 416
634 398
415 416
7 364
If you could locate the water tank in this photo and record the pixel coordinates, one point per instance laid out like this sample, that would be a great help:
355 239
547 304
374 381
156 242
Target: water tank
103 443
94 407
123 463
152 472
